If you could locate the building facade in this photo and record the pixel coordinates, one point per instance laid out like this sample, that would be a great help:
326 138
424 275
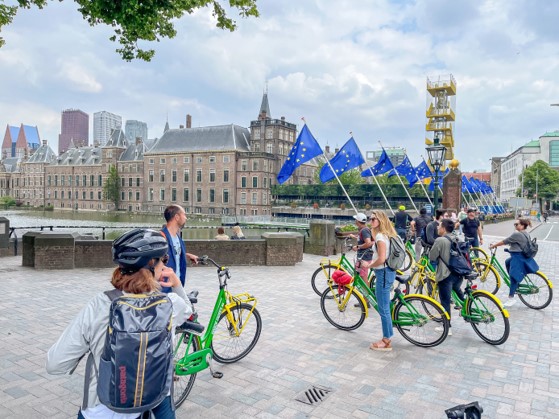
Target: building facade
104 123
20 141
136 129
74 127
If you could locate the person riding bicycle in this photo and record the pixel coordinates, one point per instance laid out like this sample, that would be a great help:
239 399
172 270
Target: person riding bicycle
364 243
141 255
446 280
418 226
401 219
517 264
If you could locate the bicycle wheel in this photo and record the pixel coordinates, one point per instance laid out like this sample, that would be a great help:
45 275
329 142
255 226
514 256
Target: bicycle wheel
488 279
487 318
322 277
534 291
342 307
477 253
408 260
230 344
420 321
182 384
428 287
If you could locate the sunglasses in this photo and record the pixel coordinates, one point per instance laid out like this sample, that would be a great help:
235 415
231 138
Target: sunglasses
373 219
516 224
165 259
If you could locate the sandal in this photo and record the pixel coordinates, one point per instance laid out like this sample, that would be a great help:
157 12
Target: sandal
382 345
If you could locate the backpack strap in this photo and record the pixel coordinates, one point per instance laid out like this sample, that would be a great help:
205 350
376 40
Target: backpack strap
113 294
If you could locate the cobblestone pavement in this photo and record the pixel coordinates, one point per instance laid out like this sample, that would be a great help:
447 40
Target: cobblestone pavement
298 348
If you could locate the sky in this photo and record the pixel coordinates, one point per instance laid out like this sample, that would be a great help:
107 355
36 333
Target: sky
345 66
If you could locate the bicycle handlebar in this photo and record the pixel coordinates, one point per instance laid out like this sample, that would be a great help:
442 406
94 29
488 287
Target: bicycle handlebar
221 270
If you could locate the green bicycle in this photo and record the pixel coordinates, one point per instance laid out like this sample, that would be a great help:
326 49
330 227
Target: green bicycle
419 319
233 331
535 290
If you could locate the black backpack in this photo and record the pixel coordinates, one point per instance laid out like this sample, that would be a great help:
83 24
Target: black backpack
459 262
136 365
530 249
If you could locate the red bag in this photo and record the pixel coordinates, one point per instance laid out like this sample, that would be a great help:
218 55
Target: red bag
341 277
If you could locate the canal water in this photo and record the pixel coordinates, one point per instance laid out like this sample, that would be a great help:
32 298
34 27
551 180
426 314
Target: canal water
114 224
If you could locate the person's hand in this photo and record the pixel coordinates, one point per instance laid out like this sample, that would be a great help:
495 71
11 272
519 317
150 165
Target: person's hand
480 241
354 247
193 259
492 246
169 278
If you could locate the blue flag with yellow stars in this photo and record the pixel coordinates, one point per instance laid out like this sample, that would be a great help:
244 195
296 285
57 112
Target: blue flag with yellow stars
346 159
304 149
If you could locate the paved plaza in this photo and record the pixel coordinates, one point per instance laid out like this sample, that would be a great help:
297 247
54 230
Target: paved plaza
298 348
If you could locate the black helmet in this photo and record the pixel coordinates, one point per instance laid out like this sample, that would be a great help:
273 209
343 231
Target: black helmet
135 248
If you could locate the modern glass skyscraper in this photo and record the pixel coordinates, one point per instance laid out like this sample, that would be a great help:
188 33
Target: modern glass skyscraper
103 124
136 129
74 127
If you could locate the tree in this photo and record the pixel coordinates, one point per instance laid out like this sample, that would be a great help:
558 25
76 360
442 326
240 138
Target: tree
540 181
146 20
351 177
111 189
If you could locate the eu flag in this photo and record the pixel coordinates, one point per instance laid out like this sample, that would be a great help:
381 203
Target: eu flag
346 159
406 169
383 165
423 170
304 149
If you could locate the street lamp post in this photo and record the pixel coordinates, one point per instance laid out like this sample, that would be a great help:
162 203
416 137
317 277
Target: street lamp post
436 154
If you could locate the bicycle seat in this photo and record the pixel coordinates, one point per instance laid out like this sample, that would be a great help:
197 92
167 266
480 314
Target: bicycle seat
191 327
192 296
472 276
402 279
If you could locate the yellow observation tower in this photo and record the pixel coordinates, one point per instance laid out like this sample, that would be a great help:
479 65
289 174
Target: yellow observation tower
441 102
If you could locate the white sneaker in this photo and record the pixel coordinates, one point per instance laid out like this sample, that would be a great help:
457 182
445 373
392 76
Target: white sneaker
510 302
441 329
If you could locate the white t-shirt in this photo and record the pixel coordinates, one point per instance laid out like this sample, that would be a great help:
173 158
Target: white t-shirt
380 238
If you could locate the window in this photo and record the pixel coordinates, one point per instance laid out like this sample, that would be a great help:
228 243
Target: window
243 198
244 165
255 181
162 194
198 195
255 165
265 182
212 175
269 147
122 182
256 134
243 182
226 159
264 198
130 182
186 175
186 160
151 161
254 198
198 159
162 175
162 160
61 194
226 196
212 159
122 196
173 195
256 146
150 194
91 180
130 195
70 180
150 176
174 160
100 180
99 196
56 194
137 195
226 175
77 180
84 180
554 153
174 176
62 180
185 195
137 181
83 195
269 133
198 175
212 196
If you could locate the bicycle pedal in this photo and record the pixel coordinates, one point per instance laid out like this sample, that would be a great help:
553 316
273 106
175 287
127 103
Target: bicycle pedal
217 374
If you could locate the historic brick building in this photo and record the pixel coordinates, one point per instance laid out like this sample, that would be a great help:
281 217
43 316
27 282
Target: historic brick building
225 169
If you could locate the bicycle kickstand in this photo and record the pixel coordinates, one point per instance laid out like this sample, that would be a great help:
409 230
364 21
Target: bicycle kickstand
215 374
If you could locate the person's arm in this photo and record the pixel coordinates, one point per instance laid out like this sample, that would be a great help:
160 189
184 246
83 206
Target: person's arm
170 279
480 234
368 243
435 252
381 259
412 225
193 258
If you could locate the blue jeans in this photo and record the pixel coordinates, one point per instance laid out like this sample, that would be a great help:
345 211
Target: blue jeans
451 282
163 410
384 281
402 233
513 282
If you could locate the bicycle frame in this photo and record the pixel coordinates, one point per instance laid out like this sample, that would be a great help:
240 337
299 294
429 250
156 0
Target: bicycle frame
343 264
200 360
478 313
522 288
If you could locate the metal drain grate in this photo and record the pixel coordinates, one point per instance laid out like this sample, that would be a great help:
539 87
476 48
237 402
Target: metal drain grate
314 395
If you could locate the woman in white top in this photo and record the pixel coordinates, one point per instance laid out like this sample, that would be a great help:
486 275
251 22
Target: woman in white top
383 230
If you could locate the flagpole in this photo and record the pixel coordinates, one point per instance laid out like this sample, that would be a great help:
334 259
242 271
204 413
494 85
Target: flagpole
423 187
378 185
402 183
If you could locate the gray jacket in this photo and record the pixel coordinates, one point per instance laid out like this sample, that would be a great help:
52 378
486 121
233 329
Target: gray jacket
86 332
439 253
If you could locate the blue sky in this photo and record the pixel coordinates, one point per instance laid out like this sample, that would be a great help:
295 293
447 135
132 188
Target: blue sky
345 66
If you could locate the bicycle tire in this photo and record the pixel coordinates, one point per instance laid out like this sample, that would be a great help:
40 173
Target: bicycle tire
484 311
481 256
420 321
488 279
408 261
227 347
531 283
428 287
353 311
322 277
182 384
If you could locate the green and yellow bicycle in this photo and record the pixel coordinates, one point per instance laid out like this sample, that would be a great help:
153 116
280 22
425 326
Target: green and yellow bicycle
233 331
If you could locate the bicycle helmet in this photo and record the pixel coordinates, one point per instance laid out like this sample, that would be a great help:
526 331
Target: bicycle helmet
135 248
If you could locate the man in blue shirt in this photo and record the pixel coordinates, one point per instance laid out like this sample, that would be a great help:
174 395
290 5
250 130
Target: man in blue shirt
175 216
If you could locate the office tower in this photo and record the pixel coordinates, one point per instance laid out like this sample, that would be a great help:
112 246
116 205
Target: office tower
136 129
103 124
74 127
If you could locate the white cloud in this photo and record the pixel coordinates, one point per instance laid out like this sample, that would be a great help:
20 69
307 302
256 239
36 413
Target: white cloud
79 77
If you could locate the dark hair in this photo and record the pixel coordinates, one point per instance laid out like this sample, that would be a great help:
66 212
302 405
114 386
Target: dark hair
171 211
423 211
525 222
470 210
448 225
439 213
220 230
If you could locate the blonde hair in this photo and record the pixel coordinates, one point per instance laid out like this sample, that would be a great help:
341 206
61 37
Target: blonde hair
140 282
237 231
385 225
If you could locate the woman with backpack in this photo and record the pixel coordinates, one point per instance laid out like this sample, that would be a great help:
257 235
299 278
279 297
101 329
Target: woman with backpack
518 264
382 230
141 255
